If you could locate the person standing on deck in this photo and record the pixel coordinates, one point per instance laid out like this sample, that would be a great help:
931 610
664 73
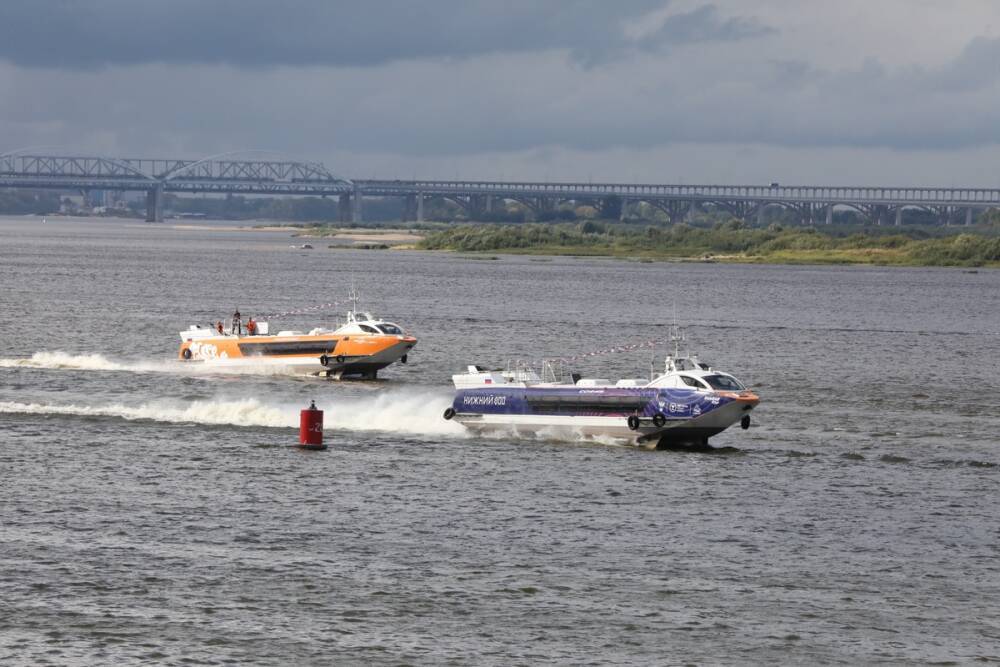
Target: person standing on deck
251 326
237 327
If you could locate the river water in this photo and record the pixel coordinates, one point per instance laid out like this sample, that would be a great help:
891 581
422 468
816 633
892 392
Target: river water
152 512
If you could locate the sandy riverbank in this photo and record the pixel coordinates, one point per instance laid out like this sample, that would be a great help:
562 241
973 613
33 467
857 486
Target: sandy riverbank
388 236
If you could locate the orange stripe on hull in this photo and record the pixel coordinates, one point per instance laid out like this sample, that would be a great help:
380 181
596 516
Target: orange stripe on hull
741 396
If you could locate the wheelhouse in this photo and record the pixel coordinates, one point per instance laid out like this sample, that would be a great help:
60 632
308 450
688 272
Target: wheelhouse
364 323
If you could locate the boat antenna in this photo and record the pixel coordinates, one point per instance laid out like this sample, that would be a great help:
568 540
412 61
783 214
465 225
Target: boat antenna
676 337
353 296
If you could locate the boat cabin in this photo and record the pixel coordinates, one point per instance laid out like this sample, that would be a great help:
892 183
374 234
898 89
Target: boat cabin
698 379
364 323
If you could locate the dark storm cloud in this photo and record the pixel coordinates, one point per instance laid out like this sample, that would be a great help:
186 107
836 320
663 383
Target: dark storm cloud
975 67
704 24
261 33
463 79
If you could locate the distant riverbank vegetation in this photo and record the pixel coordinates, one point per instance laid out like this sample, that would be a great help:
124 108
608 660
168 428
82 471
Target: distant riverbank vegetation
734 241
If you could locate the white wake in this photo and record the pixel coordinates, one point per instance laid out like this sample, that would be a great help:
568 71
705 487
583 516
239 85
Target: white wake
246 412
392 412
82 362
58 360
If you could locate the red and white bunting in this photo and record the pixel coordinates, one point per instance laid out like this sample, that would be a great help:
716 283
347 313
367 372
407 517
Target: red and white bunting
307 310
611 350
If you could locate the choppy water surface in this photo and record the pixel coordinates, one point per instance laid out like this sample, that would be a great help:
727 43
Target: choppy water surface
151 512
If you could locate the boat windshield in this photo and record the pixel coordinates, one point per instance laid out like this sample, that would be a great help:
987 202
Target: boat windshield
368 329
723 382
388 328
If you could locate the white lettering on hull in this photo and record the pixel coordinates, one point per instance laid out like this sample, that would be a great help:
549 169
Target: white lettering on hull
484 400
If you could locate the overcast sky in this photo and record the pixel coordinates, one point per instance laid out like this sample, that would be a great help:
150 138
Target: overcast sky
846 92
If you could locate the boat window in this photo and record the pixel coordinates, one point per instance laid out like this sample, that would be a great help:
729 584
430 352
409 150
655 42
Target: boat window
692 382
368 329
389 328
723 382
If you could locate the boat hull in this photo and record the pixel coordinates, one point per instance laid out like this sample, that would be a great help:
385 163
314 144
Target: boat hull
331 354
660 417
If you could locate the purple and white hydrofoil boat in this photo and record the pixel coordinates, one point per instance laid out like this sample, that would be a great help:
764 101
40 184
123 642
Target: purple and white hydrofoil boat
685 405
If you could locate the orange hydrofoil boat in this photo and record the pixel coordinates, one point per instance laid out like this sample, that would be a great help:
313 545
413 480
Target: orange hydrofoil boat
361 347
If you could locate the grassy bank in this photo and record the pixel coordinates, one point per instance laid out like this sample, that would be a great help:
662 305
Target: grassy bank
729 242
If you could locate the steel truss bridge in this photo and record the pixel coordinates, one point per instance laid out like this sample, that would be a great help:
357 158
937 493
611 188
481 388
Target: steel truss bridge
220 174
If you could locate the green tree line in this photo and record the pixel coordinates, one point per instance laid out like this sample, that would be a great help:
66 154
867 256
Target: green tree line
731 240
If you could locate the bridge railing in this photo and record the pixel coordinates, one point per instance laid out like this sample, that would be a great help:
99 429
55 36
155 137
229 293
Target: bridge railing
982 196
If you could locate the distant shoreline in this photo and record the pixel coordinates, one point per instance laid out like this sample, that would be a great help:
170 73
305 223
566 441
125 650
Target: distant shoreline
791 259
897 249
726 243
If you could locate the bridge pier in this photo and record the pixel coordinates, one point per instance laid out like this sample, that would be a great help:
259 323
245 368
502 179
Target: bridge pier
943 214
609 208
357 214
544 205
483 204
154 204
413 207
344 208
877 214
829 214
409 208
741 210
803 214
673 208
812 213
480 205
692 210
899 216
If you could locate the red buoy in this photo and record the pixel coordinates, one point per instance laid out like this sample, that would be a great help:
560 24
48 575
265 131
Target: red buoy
311 428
